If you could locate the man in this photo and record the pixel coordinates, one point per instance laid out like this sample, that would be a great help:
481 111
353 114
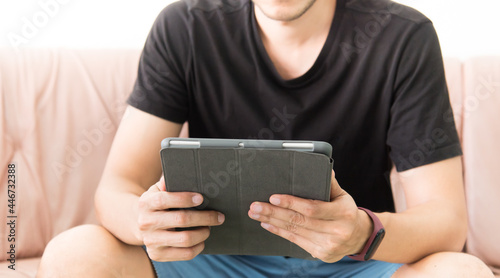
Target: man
366 76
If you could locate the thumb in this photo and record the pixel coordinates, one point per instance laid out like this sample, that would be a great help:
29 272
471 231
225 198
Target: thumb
159 186
335 189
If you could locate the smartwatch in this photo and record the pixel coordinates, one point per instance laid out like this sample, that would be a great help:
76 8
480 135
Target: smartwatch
374 240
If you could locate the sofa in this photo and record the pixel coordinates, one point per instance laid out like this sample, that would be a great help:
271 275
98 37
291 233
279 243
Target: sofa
60 108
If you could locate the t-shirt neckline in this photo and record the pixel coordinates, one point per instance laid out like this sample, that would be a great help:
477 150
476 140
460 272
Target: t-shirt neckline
318 63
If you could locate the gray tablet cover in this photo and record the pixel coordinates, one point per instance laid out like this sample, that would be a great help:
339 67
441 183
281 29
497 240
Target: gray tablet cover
231 179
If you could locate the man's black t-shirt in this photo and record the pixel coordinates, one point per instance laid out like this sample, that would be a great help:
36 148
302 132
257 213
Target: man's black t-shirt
377 91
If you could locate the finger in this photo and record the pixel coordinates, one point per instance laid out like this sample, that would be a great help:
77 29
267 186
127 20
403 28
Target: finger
153 188
342 207
161 184
188 218
312 248
317 236
309 208
335 189
179 219
155 199
168 254
292 219
164 238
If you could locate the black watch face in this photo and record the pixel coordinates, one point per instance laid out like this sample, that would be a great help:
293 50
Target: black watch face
375 243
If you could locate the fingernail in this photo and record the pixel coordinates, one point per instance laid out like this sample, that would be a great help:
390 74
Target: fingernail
254 215
220 218
197 199
256 208
265 226
275 201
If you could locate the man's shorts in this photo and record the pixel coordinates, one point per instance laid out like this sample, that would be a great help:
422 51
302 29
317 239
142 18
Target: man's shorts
271 266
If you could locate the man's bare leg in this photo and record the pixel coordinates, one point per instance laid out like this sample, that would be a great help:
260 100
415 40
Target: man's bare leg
91 251
446 264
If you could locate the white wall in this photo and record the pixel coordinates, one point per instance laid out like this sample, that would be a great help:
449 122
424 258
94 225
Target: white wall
465 27
78 23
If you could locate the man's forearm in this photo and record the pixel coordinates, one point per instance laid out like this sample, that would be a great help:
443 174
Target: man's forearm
420 231
117 209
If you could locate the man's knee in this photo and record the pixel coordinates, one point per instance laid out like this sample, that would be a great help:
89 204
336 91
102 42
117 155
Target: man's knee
71 251
87 249
463 265
446 264
77 241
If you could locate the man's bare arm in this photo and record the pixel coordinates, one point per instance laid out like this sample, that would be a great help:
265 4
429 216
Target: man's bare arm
133 166
436 218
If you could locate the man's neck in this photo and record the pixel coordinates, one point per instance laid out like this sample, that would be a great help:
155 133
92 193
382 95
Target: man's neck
294 46
312 25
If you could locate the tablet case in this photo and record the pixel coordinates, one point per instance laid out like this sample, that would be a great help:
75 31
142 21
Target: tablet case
231 179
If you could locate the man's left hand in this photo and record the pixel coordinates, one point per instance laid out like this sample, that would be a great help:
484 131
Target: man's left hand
327 230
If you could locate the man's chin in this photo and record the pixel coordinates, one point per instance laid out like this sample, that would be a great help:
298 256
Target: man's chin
282 17
285 12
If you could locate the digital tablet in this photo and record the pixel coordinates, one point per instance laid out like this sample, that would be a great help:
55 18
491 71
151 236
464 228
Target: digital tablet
231 174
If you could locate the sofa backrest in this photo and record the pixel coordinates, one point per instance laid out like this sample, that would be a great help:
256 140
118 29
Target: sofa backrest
481 145
59 112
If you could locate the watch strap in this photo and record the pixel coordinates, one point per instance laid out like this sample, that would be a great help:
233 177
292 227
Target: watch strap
374 240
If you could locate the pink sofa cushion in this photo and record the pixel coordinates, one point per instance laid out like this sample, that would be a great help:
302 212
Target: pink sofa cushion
60 110
481 143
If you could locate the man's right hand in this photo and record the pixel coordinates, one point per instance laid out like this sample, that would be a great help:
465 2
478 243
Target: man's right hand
157 223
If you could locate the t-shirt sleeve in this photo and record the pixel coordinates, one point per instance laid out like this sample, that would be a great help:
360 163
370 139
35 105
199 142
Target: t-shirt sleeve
160 87
421 131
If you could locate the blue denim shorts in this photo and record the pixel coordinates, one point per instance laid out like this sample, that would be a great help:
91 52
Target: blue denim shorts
271 266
